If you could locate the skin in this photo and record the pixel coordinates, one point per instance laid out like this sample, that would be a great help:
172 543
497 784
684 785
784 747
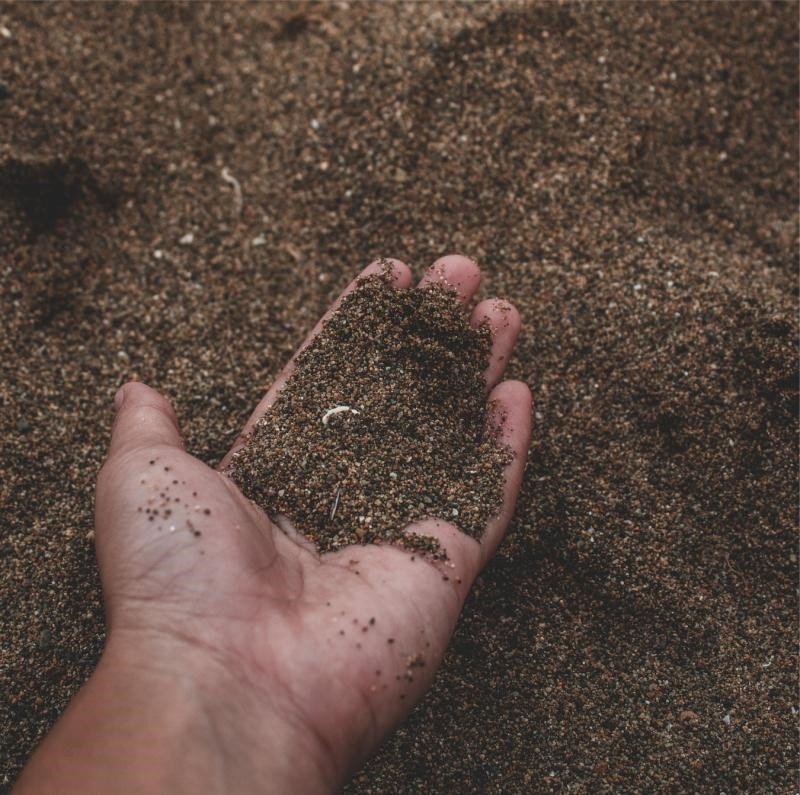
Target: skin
239 660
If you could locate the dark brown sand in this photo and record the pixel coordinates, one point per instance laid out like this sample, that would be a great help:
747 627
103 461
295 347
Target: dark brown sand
184 189
382 422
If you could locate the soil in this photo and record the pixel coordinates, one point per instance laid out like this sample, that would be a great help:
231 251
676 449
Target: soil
184 188
383 422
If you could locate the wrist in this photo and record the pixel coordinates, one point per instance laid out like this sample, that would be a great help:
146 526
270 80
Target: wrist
244 732
160 715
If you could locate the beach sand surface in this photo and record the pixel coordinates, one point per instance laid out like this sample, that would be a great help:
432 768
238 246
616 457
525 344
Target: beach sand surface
185 188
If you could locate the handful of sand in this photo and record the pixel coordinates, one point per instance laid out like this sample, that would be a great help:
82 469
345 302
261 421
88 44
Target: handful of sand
382 423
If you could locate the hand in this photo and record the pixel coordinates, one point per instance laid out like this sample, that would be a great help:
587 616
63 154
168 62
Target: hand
237 658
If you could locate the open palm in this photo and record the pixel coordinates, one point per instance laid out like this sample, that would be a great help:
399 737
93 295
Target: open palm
339 646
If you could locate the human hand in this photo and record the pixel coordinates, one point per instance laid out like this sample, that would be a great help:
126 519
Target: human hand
255 662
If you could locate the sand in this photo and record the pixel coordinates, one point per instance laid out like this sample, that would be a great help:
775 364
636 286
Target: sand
183 191
382 422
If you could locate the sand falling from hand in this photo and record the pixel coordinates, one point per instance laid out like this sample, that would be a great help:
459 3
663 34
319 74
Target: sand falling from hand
383 422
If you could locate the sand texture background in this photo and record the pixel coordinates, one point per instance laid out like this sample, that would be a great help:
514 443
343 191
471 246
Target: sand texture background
626 174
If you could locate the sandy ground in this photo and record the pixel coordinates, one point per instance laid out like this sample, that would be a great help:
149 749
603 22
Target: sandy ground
183 190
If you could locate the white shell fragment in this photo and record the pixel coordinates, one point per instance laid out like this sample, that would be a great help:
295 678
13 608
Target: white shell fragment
337 410
237 189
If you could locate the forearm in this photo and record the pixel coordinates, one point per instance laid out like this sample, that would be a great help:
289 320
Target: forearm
137 726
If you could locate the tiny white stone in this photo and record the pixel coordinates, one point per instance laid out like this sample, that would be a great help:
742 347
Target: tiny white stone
187 239
393 475
727 720
158 253
314 124
259 241
455 511
5 32
281 492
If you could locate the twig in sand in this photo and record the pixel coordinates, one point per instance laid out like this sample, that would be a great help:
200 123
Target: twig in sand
335 502
237 189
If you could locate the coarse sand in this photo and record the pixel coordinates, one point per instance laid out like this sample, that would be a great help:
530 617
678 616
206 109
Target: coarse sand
184 188
382 422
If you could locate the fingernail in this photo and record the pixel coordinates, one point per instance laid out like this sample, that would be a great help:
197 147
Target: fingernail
119 398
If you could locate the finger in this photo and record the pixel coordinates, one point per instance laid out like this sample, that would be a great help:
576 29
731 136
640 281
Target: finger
509 417
401 278
504 322
145 418
456 273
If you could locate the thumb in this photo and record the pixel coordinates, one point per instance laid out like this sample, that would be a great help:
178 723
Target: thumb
145 418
